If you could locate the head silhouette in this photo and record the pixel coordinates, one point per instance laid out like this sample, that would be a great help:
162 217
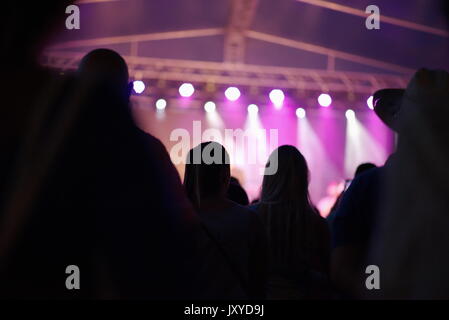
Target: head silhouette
207 172
364 167
291 180
104 67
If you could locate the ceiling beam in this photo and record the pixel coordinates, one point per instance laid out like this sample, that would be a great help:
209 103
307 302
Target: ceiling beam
94 1
383 18
240 19
300 45
182 34
241 75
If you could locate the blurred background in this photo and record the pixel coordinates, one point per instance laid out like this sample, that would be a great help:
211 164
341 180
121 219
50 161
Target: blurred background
307 67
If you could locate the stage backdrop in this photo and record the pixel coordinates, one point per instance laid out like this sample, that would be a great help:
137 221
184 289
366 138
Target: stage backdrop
332 144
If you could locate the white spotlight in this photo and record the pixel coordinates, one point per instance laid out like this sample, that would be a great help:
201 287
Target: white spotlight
161 104
209 106
138 86
186 90
277 98
369 102
232 93
253 109
300 113
350 114
324 100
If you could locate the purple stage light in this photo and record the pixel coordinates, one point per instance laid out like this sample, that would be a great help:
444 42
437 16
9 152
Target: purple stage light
301 113
277 98
232 93
253 109
186 90
161 104
350 114
209 106
138 86
369 103
324 100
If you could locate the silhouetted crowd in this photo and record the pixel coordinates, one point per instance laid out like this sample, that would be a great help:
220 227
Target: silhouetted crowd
81 184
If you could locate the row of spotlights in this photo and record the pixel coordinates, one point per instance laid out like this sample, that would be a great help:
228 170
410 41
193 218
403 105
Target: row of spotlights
277 96
253 109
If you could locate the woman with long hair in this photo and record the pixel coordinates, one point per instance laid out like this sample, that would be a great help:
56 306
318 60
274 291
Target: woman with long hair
298 236
236 230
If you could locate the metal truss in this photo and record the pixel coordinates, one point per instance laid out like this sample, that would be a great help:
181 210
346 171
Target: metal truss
219 73
242 14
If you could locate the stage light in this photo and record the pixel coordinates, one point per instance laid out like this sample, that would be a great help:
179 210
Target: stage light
277 98
369 102
253 109
138 86
186 90
209 106
301 113
324 100
350 114
232 93
161 104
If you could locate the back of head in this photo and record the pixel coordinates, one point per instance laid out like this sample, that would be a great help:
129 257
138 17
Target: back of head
290 182
103 76
207 172
286 210
364 167
103 67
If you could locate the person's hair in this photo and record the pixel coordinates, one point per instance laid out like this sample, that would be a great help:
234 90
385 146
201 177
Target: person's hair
103 74
207 172
105 67
285 207
291 180
364 167
236 192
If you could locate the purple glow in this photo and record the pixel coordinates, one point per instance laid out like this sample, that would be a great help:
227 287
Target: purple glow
324 100
138 86
277 98
186 90
321 136
232 93
301 113
369 103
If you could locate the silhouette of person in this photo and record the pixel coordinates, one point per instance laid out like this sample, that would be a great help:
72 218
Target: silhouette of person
236 229
101 194
298 236
359 170
411 242
356 216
